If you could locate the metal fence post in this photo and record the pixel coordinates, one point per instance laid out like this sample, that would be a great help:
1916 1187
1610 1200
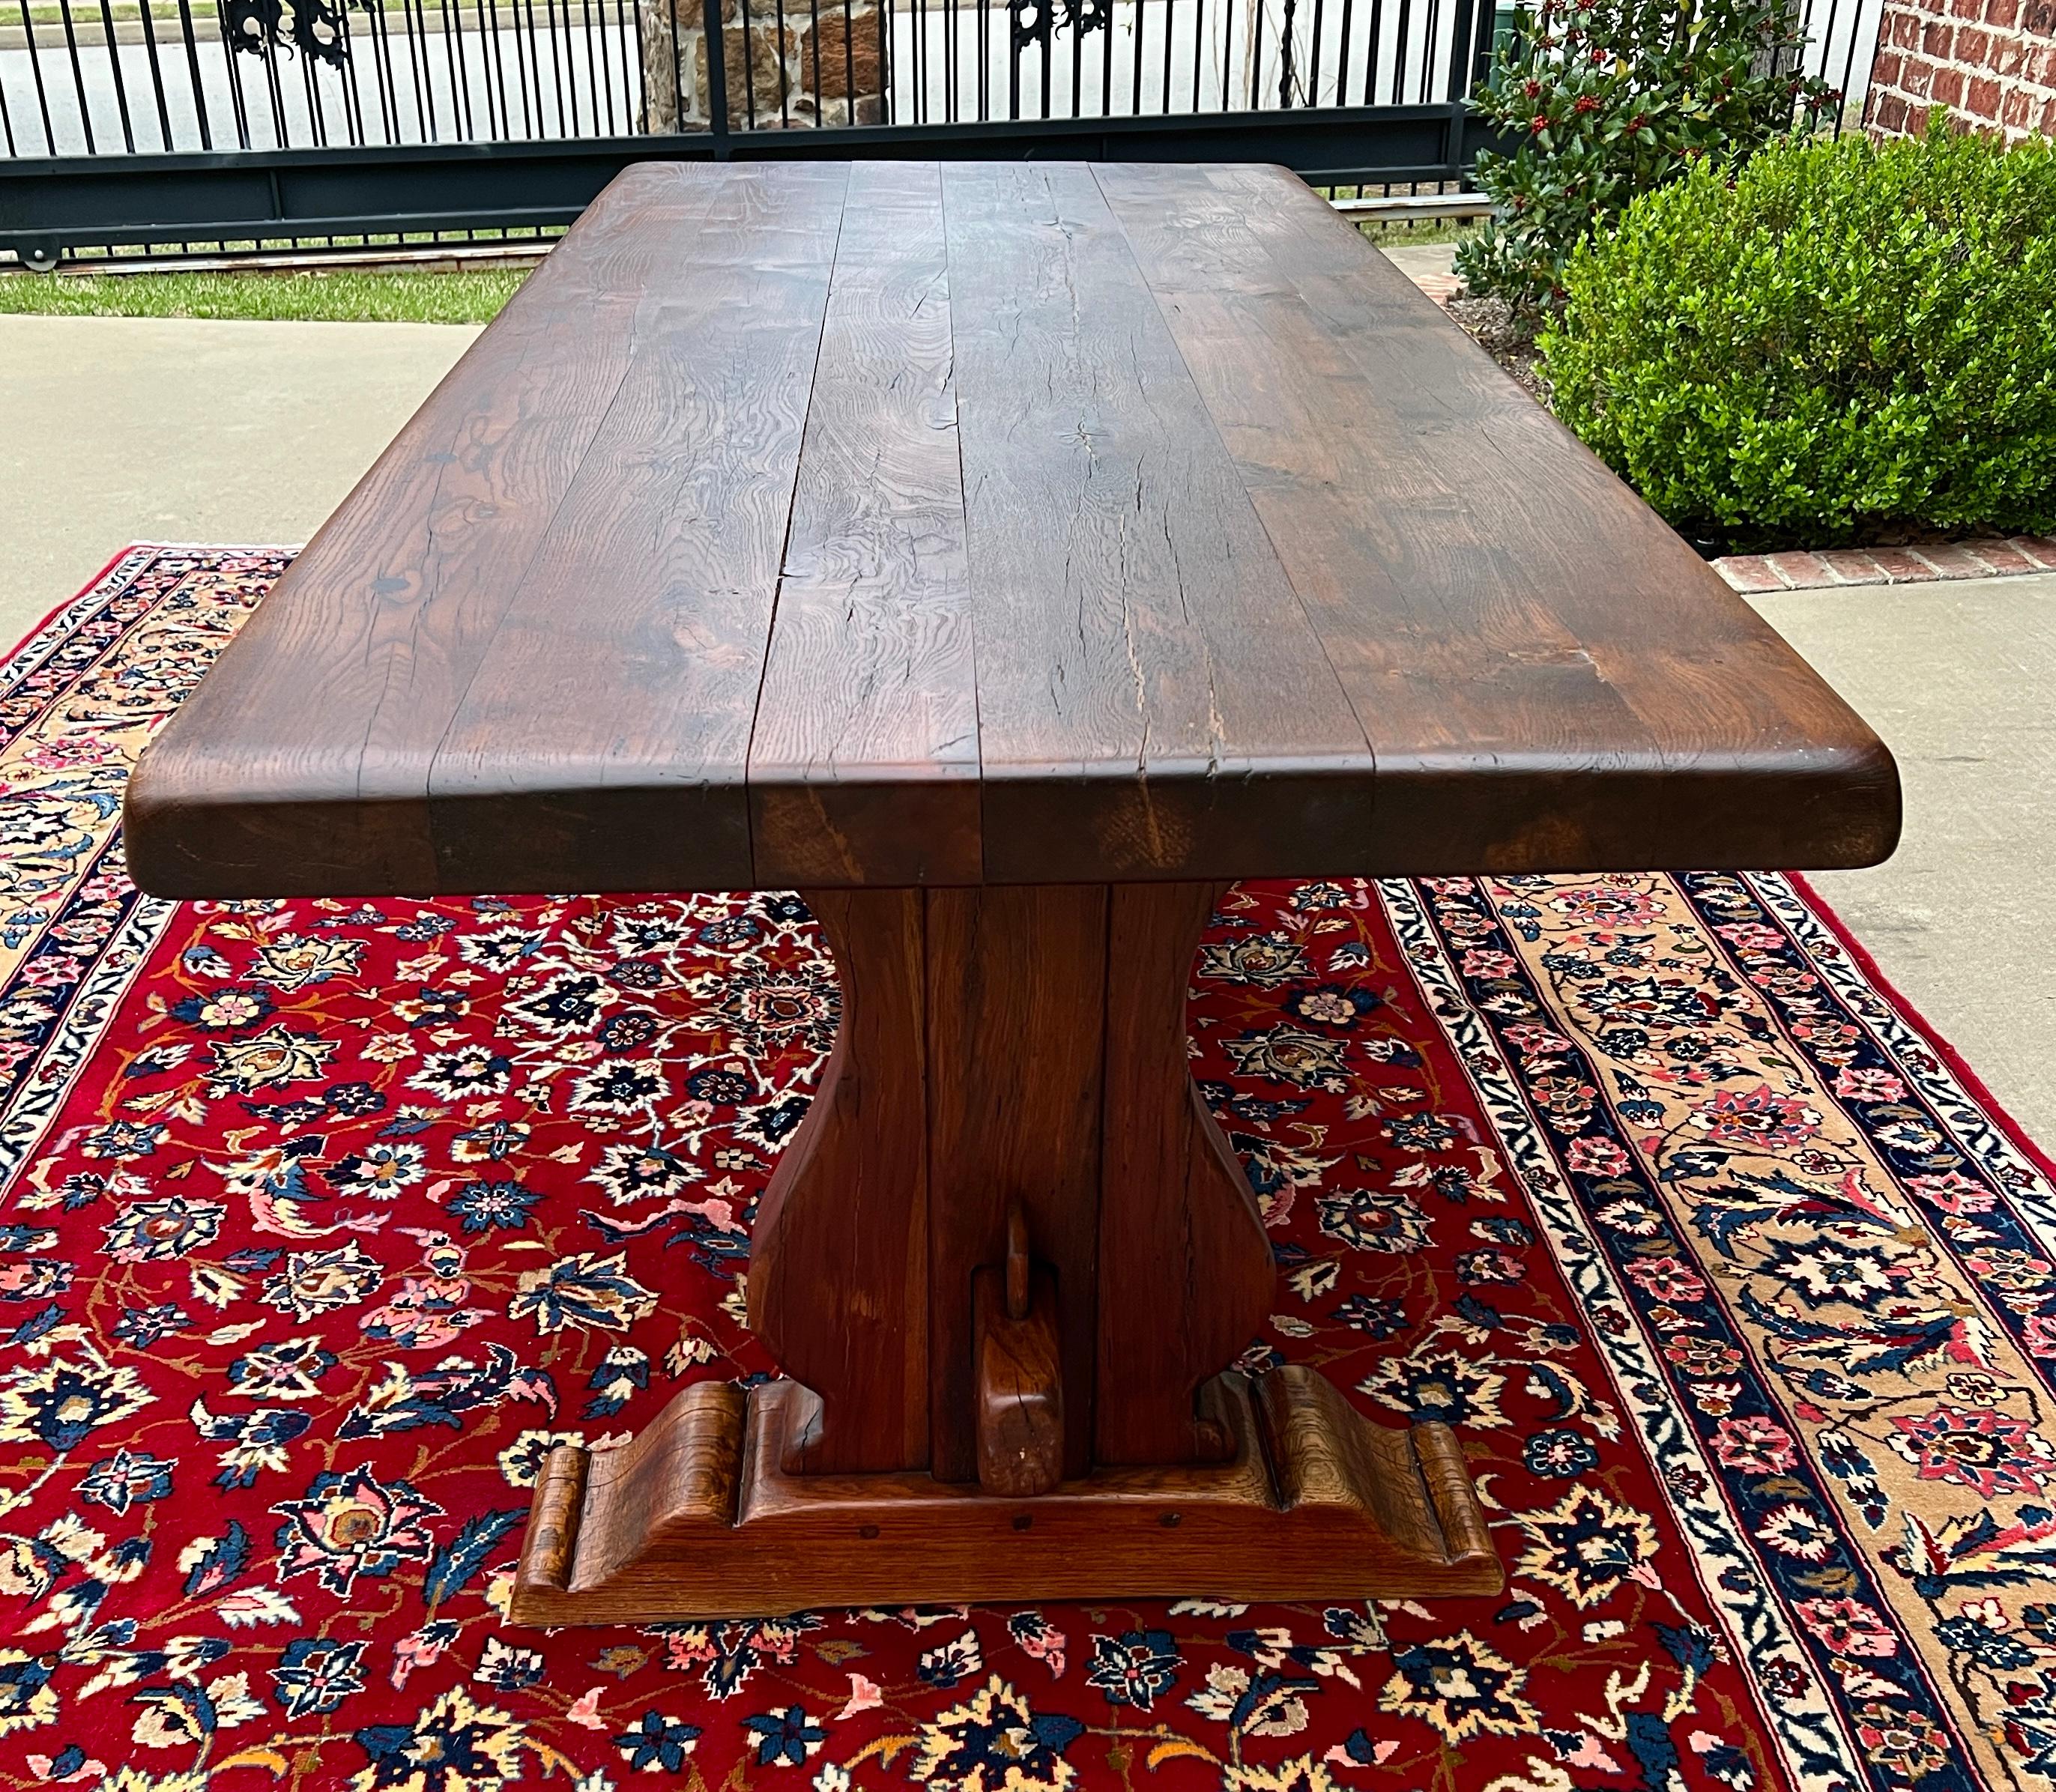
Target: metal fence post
1470 43
717 65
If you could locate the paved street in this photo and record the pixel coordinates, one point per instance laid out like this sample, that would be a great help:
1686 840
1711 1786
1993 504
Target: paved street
192 430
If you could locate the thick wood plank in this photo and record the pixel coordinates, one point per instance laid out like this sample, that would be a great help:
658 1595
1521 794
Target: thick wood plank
864 766
839 1255
1153 702
624 670
300 764
1034 539
1186 1277
1016 1006
1551 679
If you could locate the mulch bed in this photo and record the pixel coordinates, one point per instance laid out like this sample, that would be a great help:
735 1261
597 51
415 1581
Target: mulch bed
1490 321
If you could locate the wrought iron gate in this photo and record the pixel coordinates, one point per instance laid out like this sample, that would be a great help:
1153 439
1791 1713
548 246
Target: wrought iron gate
141 122
152 121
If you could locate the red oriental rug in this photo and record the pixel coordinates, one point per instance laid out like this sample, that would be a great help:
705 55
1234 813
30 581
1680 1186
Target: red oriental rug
323 1219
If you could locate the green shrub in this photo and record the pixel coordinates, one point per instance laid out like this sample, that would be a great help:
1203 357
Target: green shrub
1845 342
1610 98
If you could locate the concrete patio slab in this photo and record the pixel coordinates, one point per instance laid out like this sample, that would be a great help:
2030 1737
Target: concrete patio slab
126 429
1957 678
1419 261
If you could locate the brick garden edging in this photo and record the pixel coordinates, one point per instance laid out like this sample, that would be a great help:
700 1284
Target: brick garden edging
1888 565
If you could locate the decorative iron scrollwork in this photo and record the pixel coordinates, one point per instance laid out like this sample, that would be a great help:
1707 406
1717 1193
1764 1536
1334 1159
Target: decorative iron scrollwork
1034 20
314 28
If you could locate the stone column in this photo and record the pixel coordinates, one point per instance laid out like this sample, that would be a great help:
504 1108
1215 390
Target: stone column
805 70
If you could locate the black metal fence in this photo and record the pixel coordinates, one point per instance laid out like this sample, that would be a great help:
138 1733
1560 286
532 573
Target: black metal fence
86 78
143 121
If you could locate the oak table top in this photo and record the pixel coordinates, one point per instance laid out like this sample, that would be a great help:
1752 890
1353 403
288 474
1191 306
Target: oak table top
841 524
1005 556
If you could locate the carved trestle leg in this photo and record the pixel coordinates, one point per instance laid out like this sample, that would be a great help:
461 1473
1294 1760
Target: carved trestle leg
1005 1261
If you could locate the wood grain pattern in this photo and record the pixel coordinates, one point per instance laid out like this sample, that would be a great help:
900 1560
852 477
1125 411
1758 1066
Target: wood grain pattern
838 1285
1552 679
739 1538
1017 1006
1186 1275
1151 698
607 724
864 766
1008 1103
556 1515
887 524
1017 1381
686 1467
303 755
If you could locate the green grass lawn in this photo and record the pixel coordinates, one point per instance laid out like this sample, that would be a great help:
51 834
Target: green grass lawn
472 297
347 296
1417 234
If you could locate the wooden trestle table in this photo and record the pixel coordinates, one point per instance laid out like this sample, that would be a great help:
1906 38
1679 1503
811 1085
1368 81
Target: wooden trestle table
1006 557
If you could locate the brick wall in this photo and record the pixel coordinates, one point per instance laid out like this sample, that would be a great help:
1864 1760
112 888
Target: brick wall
1991 62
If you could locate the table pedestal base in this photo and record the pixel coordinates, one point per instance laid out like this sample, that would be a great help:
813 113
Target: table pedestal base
696 1519
1005 1262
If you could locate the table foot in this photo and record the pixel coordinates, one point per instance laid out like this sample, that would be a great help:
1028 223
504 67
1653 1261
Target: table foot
698 1518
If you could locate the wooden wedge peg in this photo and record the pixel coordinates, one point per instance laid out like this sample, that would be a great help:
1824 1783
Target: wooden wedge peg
1018 1372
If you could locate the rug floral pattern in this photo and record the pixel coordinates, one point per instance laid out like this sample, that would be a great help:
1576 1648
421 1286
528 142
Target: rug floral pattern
323 1220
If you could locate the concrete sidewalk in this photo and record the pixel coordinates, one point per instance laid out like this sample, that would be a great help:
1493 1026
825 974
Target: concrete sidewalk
1957 679
131 429
123 429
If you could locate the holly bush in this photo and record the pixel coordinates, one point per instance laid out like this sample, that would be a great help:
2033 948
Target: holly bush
1610 98
1839 341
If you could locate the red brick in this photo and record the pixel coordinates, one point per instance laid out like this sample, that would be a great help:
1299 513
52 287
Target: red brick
1885 71
2040 548
1949 87
1974 46
2003 13
1888 116
1905 31
1799 569
1982 102
1965 9
1749 572
1936 40
2014 112
1851 565
1898 566
1920 81
1950 562
2000 556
